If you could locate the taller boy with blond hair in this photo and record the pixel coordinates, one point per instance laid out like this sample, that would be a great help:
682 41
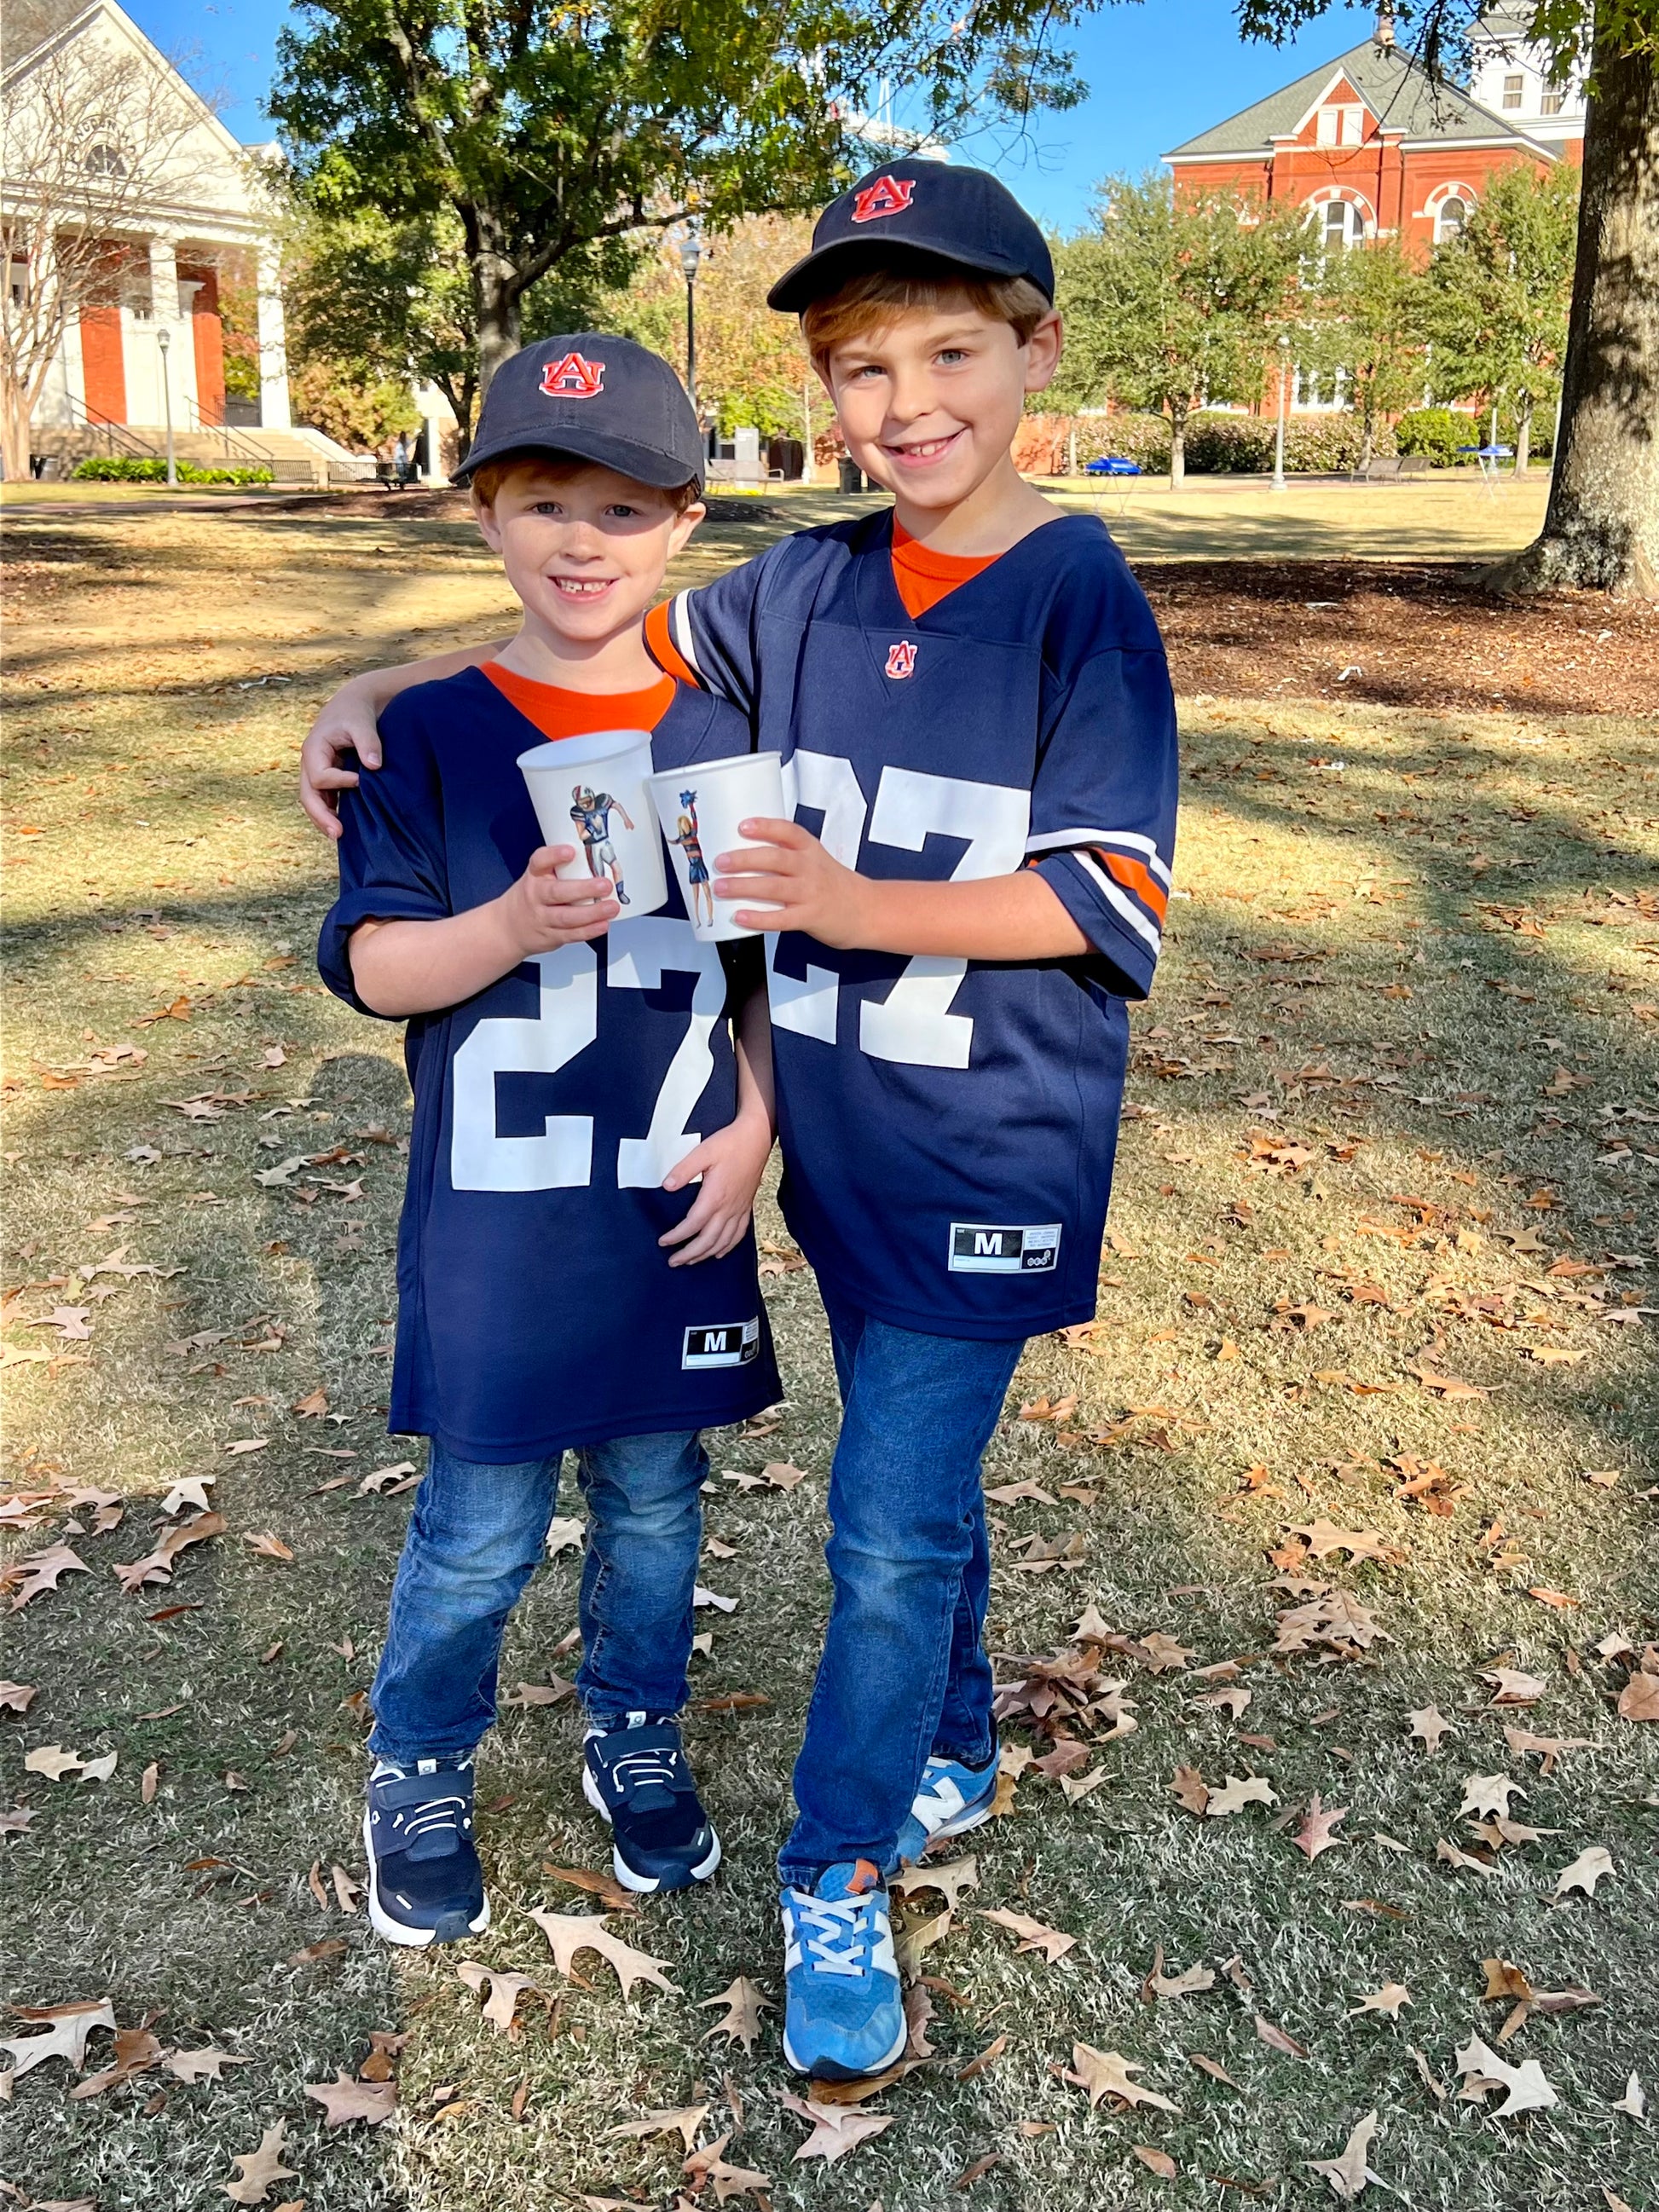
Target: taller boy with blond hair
971 697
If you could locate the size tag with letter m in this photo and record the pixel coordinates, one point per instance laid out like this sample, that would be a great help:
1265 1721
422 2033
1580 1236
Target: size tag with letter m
730 1344
980 1248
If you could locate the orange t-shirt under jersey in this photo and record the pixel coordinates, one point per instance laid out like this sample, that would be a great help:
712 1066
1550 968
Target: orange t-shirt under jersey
923 577
557 713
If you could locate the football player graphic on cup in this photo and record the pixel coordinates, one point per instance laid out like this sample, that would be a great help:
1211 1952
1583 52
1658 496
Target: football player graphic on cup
591 811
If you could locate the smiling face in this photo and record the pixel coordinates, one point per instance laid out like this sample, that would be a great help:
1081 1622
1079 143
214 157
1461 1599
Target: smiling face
584 548
929 401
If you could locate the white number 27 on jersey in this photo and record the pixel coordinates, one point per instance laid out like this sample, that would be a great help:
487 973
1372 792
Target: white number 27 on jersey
566 1022
914 1024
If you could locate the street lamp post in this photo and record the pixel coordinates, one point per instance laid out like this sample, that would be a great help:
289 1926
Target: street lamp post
690 255
164 339
1284 403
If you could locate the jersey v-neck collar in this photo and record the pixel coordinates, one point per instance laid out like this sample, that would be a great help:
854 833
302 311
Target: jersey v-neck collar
939 612
559 713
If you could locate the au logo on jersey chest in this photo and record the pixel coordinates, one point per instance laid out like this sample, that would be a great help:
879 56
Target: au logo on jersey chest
887 196
902 658
982 1247
727 1344
573 377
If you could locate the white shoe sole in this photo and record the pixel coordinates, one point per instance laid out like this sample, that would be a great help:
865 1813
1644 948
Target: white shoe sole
642 1885
396 1931
880 2066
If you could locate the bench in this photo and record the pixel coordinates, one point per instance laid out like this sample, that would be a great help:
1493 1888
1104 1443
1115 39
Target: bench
1388 468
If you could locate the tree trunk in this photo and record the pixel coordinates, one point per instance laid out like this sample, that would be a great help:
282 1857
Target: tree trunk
496 295
1367 432
1522 436
1602 529
1177 448
14 430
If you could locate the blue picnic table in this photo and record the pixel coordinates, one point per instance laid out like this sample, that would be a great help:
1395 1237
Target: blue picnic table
1489 456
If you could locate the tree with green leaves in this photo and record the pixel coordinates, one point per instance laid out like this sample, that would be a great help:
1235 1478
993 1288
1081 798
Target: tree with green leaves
549 132
1499 295
1366 319
1172 301
375 305
752 364
1601 528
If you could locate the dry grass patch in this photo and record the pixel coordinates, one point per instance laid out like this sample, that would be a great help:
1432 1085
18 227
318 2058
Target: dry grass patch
1379 1261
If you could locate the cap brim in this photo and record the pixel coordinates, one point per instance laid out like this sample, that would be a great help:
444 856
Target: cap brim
644 464
832 265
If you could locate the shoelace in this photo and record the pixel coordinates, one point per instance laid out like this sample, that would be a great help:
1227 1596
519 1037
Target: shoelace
639 1770
432 1817
839 1933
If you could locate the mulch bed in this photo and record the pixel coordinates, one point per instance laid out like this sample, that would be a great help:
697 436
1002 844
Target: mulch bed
1420 635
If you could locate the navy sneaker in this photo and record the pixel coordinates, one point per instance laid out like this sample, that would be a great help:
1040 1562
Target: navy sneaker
636 1778
843 2010
951 1799
425 1884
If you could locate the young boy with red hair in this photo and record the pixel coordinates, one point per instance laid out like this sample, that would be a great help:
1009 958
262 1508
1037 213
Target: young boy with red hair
971 699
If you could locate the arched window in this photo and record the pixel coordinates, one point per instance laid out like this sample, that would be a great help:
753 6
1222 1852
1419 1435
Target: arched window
1451 208
1337 223
104 159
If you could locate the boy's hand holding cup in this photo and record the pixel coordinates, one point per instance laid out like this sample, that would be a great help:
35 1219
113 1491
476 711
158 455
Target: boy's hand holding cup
546 909
792 882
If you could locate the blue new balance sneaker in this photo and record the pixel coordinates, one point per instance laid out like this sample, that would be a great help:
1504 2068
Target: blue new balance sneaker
637 1778
843 2011
951 1799
425 1884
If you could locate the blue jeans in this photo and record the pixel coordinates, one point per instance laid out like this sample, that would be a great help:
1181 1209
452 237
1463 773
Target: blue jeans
904 1672
474 1542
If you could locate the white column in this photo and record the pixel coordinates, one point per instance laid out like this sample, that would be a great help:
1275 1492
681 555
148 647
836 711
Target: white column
435 412
273 345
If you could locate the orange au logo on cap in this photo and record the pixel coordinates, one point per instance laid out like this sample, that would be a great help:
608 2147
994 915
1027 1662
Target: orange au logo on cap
902 658
573 378
889 195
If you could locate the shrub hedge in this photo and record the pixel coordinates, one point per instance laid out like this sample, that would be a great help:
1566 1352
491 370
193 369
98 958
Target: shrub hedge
1217 445
1436 431
126 468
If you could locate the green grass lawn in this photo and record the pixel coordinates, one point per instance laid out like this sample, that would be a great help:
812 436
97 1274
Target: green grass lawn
1383 1209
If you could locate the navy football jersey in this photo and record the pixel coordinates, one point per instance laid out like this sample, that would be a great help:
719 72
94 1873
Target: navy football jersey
534 1307
949 1126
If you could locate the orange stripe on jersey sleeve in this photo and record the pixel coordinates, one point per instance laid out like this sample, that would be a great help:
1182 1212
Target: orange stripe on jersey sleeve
659 644
1134 876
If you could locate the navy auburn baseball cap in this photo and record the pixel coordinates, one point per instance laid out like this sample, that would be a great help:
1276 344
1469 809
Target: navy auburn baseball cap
601 399
965 216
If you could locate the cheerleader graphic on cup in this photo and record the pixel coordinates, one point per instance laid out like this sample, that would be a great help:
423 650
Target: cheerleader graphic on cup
696 868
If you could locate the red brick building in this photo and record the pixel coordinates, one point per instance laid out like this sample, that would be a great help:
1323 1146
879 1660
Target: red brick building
1371 147
1371 140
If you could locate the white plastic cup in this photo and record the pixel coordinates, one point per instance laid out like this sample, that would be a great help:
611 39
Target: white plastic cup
700 808
590 791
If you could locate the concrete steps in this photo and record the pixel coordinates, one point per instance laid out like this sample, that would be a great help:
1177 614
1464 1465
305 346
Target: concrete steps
293 457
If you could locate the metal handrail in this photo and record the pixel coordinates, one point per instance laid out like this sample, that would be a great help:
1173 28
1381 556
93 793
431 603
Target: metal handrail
116 436
244 448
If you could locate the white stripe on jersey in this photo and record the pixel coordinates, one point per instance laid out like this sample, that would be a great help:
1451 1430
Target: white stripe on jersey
679 627
1119 901
1054 840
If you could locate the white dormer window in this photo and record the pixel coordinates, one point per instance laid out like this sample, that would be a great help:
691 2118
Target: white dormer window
1339 126
1514 89
1552 103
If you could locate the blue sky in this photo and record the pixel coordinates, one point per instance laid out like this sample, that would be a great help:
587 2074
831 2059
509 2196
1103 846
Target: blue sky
1158 73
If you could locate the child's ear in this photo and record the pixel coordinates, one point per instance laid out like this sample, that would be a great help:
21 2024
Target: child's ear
483 514
684 524
1042 352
